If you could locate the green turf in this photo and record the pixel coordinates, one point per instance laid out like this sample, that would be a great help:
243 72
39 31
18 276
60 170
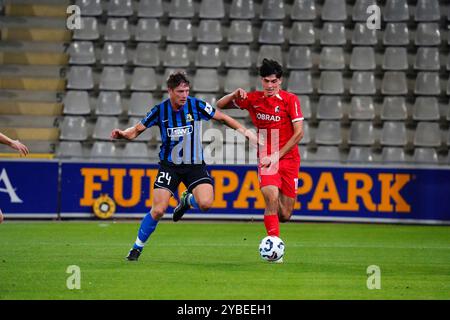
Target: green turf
189 260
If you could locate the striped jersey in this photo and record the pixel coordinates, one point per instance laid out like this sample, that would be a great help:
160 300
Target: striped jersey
181 133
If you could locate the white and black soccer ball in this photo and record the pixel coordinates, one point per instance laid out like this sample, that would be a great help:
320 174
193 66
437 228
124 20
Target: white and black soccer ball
271 248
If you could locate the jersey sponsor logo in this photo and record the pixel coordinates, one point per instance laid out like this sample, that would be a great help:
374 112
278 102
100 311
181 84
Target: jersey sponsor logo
268 117
179 131
208 108
189 117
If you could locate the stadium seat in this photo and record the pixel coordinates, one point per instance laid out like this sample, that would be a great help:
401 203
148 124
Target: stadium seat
360 154
211 98
333 34
427 83
394 109
363 36
235 113
241 9
112 78
329 133
140 103
206 80
396 34
394 83
359 12
331 82
448 86
88 31
74 128
208 56
426 109
103 127
181 9
427 134
237 78
362 108
395 59
240 31
238 56
103 150
363 83
305 105
332 58
136 150
81 52
302 33
146 55
327 154
76 103
148 30
116 30
269 52
362 58
393 155
305 155
427 34
272 32
427 10
143 79
150 9
176 56
396 10
212 9
300 82
70 149
209 31
120 8
179 31
80 78
306 133
329 108
361 133
393 134
272 10
114 53
109 103
425 156
334 10
150 134
90 7
299 57
303 10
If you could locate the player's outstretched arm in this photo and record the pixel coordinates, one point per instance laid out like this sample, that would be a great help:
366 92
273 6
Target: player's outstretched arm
15 144
226 102
234 124
128 134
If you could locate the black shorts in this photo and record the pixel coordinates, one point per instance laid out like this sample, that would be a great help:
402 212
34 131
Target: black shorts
171 175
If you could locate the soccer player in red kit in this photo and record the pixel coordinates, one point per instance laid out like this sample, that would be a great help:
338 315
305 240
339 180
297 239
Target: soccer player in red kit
278 117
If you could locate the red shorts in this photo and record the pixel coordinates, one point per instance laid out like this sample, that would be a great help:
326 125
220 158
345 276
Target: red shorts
284 175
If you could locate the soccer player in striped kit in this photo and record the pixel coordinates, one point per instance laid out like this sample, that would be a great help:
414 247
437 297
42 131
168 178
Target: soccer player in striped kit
278 117
181 155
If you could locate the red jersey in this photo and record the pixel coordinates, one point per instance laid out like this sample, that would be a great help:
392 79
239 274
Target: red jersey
274 116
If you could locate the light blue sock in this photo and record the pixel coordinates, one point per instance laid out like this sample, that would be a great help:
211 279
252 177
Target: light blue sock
147 227
191 201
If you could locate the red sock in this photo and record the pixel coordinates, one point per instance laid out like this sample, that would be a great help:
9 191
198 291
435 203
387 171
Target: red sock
272 225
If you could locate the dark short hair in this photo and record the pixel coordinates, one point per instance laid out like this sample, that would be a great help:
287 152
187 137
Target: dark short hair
177 78
269 67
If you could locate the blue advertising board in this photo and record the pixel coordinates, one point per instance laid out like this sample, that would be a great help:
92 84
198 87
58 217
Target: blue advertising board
29 188
324 193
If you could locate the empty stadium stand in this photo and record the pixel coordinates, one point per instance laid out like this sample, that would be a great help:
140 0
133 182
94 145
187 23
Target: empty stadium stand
368 96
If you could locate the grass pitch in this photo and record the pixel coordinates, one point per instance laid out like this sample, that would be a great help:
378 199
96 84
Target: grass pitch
189 260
